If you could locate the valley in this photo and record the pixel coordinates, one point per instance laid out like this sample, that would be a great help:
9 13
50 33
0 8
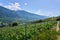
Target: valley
23 25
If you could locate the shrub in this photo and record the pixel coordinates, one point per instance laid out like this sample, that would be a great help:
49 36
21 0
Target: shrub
15 24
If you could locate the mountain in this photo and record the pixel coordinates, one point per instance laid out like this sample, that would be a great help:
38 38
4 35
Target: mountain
7 15
29 16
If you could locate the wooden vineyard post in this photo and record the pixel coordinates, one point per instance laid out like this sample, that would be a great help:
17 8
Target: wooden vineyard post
57 28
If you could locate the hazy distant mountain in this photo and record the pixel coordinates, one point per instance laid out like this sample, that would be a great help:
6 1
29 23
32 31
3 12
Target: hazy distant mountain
29 16
20 15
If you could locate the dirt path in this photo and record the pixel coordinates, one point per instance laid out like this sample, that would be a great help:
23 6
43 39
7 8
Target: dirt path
54 28
58 37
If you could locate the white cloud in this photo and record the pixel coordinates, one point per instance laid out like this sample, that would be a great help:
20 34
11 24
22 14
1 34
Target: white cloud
39 12
12 6
47 13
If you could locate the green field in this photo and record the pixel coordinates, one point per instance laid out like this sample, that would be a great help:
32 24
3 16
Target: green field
36 31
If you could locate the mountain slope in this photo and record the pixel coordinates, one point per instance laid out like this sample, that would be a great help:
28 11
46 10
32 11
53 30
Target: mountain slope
7 15
29 16
4 12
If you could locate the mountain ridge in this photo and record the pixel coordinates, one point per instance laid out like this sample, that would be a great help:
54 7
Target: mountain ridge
19 15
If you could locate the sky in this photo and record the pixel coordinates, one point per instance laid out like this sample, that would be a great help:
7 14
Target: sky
40 7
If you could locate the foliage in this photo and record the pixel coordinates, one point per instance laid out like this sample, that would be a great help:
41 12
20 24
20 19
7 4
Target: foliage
15 24
37 31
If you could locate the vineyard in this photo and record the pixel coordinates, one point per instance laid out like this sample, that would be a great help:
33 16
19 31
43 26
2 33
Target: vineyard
35 31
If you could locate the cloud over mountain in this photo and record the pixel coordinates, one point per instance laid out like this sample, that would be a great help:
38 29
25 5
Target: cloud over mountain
12 6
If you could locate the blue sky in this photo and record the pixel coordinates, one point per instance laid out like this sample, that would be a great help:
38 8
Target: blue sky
40 7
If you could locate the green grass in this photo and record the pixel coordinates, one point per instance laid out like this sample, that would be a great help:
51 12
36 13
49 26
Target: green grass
38 31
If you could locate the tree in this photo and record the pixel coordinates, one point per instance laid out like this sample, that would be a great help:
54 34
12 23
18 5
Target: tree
15 24
58 19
